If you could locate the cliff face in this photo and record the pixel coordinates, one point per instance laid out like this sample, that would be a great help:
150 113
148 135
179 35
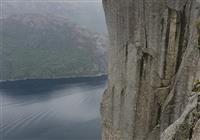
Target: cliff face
154 61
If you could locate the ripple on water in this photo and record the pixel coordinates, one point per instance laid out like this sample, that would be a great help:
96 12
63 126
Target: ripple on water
39 110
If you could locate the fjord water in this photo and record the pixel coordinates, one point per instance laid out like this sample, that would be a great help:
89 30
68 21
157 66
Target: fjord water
61 109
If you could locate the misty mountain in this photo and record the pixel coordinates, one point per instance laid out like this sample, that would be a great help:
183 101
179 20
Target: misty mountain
87 14
40 46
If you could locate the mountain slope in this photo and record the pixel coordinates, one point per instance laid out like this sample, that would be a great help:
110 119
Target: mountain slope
37 46
86 14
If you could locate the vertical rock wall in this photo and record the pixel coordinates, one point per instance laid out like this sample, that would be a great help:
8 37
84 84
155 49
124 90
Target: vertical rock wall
154 59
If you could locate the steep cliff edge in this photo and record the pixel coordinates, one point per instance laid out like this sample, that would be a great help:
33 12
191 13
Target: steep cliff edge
154 61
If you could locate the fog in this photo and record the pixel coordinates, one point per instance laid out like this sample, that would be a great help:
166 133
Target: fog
86 13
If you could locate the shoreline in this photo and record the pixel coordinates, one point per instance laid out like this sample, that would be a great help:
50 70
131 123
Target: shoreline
57 78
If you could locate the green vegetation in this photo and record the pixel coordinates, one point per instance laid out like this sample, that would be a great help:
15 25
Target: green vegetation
196 87
26 62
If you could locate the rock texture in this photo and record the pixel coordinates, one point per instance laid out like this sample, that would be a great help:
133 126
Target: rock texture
154 60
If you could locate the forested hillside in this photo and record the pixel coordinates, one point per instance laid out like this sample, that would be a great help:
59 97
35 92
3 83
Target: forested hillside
38 46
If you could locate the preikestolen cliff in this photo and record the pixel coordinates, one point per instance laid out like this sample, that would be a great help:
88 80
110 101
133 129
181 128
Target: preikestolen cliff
154 68
100 69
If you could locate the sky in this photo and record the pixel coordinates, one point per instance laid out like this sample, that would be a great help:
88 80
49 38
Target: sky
51 0
87 13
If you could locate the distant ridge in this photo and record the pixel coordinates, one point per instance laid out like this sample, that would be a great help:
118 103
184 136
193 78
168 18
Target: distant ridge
38 47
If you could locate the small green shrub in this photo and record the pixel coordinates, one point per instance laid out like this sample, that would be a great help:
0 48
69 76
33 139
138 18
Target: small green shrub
196 87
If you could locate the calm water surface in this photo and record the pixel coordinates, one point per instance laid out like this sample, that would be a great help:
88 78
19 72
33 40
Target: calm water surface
62 109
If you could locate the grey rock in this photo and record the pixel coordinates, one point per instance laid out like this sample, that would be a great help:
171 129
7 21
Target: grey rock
154 60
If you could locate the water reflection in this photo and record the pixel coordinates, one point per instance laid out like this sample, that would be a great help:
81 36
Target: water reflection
52 109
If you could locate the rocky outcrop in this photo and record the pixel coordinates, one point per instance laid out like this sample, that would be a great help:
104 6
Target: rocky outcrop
154 60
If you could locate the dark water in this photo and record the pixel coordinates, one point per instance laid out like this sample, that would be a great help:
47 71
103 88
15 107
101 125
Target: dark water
62 109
